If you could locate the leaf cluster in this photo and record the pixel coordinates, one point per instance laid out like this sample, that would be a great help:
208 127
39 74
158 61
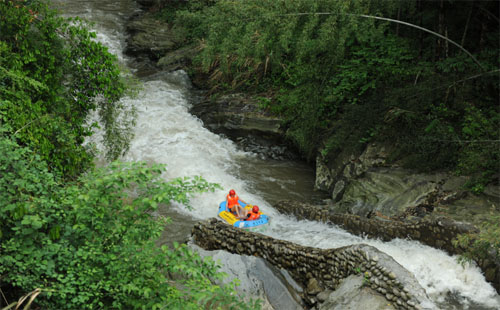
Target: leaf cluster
481 246
73 237
291 49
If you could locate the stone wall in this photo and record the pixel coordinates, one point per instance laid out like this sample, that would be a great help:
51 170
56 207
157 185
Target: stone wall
437 233
318 269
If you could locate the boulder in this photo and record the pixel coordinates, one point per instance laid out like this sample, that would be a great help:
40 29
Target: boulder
177 59
389 191
324 179
151 37
352 294
237 113
340 168
313 287
257 278
368 184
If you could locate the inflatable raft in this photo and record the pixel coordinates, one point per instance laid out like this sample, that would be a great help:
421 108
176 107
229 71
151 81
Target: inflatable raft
227 216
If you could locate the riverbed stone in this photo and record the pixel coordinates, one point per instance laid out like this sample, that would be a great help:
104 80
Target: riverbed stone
353 295
323 296
313 287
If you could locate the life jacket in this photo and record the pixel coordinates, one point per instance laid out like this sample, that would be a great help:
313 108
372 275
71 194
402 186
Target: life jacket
232 201
253 216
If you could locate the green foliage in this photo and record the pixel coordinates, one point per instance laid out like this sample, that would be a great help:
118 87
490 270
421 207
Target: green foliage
91 244
53 75
261 45
480 155
481 246
340 80
86 241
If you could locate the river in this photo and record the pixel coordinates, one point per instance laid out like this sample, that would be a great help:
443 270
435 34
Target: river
167 133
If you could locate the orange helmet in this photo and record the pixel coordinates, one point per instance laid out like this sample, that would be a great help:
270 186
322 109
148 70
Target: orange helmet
232 192
255 209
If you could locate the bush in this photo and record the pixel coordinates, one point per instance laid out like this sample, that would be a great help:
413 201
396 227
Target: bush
482 246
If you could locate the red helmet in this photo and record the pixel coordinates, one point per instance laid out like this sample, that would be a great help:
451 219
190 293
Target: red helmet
232 192
255 209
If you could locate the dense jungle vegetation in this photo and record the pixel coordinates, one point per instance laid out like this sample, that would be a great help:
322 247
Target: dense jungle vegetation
341 77
73 236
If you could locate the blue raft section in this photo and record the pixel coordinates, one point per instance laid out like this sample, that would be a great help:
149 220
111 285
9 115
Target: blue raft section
227 216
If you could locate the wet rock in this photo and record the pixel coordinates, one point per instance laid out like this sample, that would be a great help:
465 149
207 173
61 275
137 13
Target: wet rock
338 191
367 184
352 295
324 180
313 287
386 190
236 112
150 36
323 296
177 59
311 264
290 281
257 279
467 207
240 118
436 232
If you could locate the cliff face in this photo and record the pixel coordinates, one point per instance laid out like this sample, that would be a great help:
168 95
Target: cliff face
368 184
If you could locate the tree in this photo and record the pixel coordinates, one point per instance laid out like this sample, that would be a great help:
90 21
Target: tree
53 75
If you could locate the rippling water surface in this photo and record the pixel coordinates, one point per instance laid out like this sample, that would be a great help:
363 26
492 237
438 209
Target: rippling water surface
167 133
